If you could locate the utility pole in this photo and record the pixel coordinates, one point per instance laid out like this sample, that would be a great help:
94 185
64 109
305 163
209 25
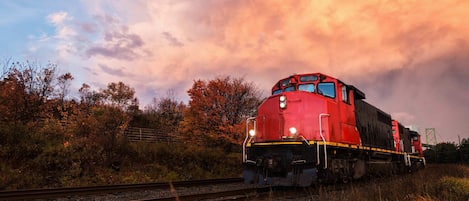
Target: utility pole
459 149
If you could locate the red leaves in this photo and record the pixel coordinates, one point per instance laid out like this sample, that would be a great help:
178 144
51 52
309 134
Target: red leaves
217 109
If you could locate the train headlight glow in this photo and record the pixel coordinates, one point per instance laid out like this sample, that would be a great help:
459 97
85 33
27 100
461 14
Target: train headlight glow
283 98
283 102
293 130
283 105
252 133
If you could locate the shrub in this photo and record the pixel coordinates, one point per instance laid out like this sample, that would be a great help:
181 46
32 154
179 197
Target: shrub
437 182
452 188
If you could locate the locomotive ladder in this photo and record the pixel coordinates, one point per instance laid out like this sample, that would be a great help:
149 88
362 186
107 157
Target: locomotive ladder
248 138
323 140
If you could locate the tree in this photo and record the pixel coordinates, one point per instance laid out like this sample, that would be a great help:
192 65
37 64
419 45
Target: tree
217 110
105 117
26 89
430 155
64 83
13 99
89 98
120 95
29 116
166 113
111 123
446 153
464 150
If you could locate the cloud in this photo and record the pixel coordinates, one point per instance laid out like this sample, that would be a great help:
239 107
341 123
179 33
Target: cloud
112 71
431 93
58 18
403 117
115 40
88 27
172 40
118 45
62 29
104 36
408 57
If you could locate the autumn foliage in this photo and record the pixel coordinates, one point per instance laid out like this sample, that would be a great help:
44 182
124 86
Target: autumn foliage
45 136
48 139
217 111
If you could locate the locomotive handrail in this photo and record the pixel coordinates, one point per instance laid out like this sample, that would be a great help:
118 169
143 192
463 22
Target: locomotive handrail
323 139
407 160
247 136
304 139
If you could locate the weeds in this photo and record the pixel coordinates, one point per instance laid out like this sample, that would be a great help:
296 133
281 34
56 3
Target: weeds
144 163
435 183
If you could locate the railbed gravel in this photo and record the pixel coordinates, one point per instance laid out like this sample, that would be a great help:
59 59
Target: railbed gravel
304 195
157 193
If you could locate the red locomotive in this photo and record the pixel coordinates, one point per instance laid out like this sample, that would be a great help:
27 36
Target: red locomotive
315 128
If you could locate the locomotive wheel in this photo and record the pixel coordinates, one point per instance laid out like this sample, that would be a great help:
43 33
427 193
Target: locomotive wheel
345 179
359 169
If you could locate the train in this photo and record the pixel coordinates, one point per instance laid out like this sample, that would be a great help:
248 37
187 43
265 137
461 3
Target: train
315 129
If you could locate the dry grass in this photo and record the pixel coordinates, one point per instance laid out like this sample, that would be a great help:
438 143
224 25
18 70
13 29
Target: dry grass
435 183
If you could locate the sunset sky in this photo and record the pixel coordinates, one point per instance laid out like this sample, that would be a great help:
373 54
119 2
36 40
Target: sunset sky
410 57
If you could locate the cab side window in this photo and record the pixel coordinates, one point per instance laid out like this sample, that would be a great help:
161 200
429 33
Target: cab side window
278 91
345 98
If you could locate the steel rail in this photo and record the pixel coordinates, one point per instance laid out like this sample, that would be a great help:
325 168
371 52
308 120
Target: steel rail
222 195
90 190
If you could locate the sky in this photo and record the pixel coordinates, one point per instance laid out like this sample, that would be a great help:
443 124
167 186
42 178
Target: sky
410 57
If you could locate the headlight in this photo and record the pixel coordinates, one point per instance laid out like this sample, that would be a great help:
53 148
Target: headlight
293 130
283 105
252 133
283 102
283 98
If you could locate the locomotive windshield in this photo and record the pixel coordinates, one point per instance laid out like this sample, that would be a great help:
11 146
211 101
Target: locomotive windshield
306 83
290 88
306 87
327 89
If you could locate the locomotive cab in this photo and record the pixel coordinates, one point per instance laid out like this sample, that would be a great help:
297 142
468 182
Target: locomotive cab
301 108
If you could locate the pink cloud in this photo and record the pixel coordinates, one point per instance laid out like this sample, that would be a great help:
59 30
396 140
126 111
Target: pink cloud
390 49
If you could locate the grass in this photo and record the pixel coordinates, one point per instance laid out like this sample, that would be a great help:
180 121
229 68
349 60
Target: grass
160 162
144 163
435 183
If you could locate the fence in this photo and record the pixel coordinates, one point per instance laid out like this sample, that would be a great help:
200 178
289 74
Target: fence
135 134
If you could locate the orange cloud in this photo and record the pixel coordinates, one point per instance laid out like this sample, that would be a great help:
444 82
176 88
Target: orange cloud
390 49
266 40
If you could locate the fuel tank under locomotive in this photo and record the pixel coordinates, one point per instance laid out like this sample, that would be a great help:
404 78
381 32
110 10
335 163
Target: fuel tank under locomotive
281 165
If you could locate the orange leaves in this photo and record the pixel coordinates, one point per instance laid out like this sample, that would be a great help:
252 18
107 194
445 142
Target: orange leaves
217 109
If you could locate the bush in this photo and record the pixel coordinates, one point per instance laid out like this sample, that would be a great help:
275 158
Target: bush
189 162
453 188
436 182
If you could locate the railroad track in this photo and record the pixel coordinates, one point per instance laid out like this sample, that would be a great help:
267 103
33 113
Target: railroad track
180 191
240 194
258 193
93 190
